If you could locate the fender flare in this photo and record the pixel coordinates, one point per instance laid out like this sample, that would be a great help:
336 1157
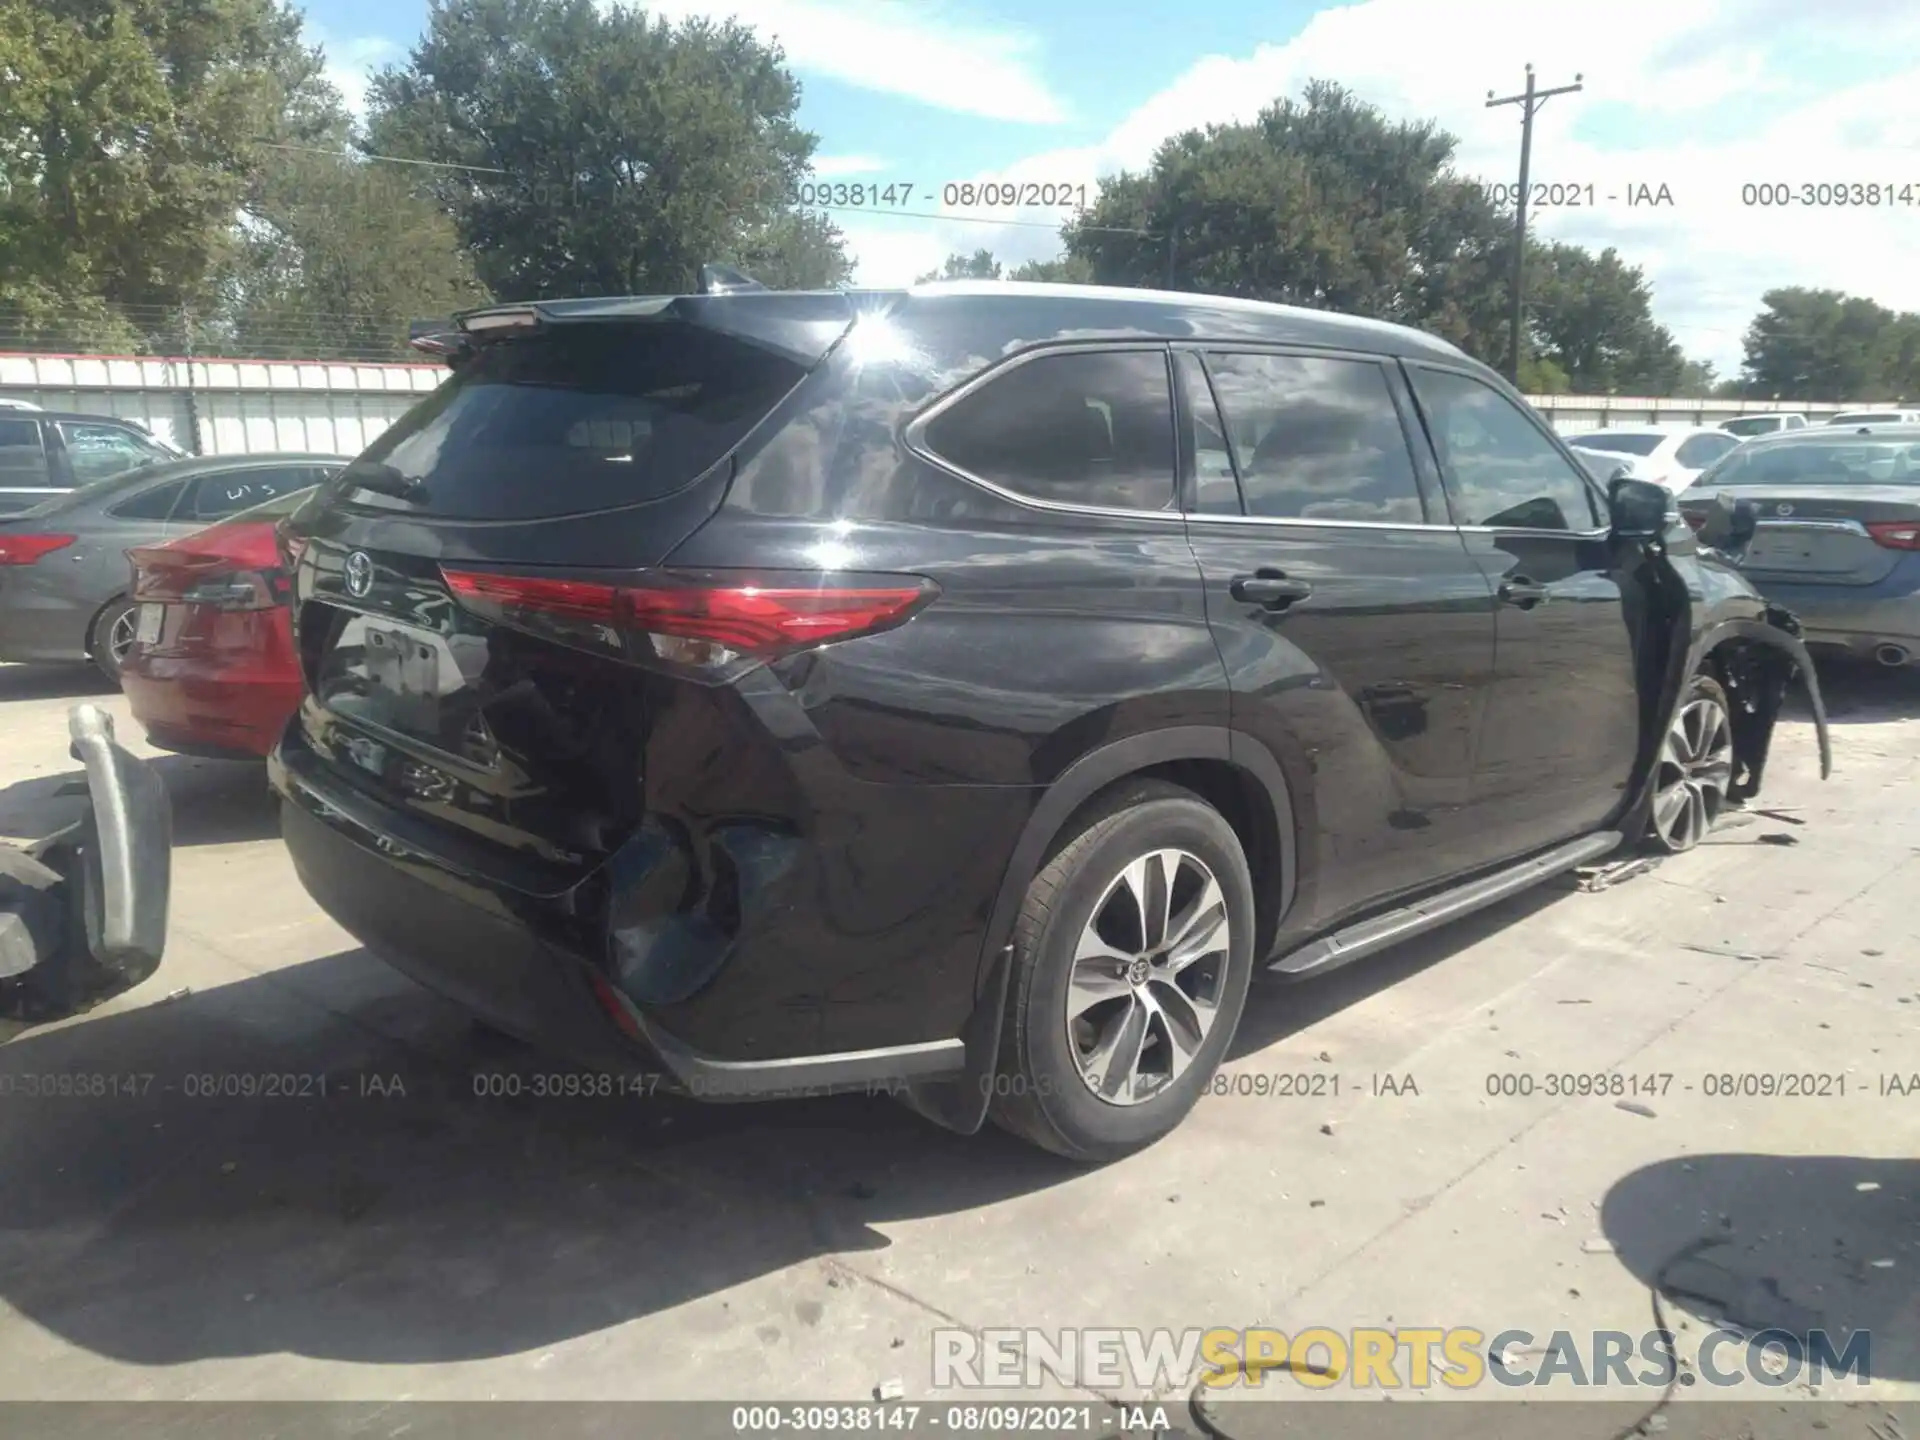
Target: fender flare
1768 630
960 1104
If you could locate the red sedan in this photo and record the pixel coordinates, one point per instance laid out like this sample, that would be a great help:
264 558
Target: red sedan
212 669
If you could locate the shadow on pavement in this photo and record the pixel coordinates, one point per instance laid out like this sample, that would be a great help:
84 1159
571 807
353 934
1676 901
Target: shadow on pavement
379 1210
1782 1241
215 802
78 681
1858 692
1277 1007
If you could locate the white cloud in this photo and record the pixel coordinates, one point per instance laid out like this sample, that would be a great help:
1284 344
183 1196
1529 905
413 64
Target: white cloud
1670 66
828 167
349 63
921 51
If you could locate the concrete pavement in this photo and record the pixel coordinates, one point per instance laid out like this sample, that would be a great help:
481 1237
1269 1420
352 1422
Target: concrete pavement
381 1227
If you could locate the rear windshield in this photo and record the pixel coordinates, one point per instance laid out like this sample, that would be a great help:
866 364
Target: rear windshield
1753 425
584 417
1617 444
1832 462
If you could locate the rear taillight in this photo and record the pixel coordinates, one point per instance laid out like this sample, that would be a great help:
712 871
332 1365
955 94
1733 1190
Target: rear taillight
25 549
238 590
1895 534
1694 518
181 577
706 621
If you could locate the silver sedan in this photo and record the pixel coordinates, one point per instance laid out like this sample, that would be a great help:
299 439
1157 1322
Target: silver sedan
63 564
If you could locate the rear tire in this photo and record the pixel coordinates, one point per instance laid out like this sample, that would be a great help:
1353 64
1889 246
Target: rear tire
112 636
1112 1034
1694 770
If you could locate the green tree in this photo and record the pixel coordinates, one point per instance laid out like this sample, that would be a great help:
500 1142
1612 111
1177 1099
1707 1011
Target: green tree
978 266
128 129
1062 270
610 153
1825 345
1320 202
333 258
1592 316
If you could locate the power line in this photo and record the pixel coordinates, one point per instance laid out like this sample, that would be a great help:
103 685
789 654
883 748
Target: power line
389 159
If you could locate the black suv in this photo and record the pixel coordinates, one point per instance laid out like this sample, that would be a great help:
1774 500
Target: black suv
963 691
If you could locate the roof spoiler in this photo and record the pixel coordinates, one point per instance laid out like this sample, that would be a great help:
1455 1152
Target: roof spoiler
798 325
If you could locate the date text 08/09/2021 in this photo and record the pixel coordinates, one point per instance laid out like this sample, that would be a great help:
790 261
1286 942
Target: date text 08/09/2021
963 194
1008 1419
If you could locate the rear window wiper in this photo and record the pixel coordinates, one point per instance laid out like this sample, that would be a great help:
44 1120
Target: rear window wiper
384 480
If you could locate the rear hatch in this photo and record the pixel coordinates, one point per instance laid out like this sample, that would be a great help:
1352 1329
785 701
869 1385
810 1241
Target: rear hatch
455 587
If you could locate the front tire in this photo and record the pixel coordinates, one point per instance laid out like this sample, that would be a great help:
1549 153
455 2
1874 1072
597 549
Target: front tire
1131 959
1694 770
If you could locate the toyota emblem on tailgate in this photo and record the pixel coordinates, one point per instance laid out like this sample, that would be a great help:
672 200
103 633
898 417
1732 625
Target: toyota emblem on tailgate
358 573
1778 510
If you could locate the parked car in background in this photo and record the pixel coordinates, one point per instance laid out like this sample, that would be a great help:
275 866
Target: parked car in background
1669 456
64 573
7 403
1838 534
1772 423
211 670
48 453
1875 417
964 690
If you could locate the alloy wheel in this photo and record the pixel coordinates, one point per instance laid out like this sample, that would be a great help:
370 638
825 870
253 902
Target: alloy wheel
120 636
1696 767
1147 976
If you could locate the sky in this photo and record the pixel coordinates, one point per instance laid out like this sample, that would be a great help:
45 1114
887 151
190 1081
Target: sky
1702 97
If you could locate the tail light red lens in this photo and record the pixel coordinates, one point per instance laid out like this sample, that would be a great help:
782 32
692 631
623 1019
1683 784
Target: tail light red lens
1895 534
704 620
1694 518
182 577
26 549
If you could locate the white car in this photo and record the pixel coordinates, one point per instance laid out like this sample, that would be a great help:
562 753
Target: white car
6 404
1771 423
1875 417
1667 455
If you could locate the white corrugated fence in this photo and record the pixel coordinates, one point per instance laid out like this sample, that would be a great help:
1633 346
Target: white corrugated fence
228 407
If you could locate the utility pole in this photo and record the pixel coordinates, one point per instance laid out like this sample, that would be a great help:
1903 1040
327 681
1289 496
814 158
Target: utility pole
1530 100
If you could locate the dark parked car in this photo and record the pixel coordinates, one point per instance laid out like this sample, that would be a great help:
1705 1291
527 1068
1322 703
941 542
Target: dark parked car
1838 533
47 453
963 691
64 574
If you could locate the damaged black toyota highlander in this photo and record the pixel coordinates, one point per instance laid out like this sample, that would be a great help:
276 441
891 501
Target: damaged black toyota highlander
965 690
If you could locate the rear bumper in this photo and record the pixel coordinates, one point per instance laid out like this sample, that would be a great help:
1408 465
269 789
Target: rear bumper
1857 618
524 961
83 914
199 710
36 627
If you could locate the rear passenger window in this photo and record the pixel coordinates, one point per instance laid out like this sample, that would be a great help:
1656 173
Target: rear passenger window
1214 489
1500 469
154 504
23 460
1086 428
1316 439
217 496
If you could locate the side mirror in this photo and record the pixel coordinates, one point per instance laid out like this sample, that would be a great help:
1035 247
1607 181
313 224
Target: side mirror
1637 508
